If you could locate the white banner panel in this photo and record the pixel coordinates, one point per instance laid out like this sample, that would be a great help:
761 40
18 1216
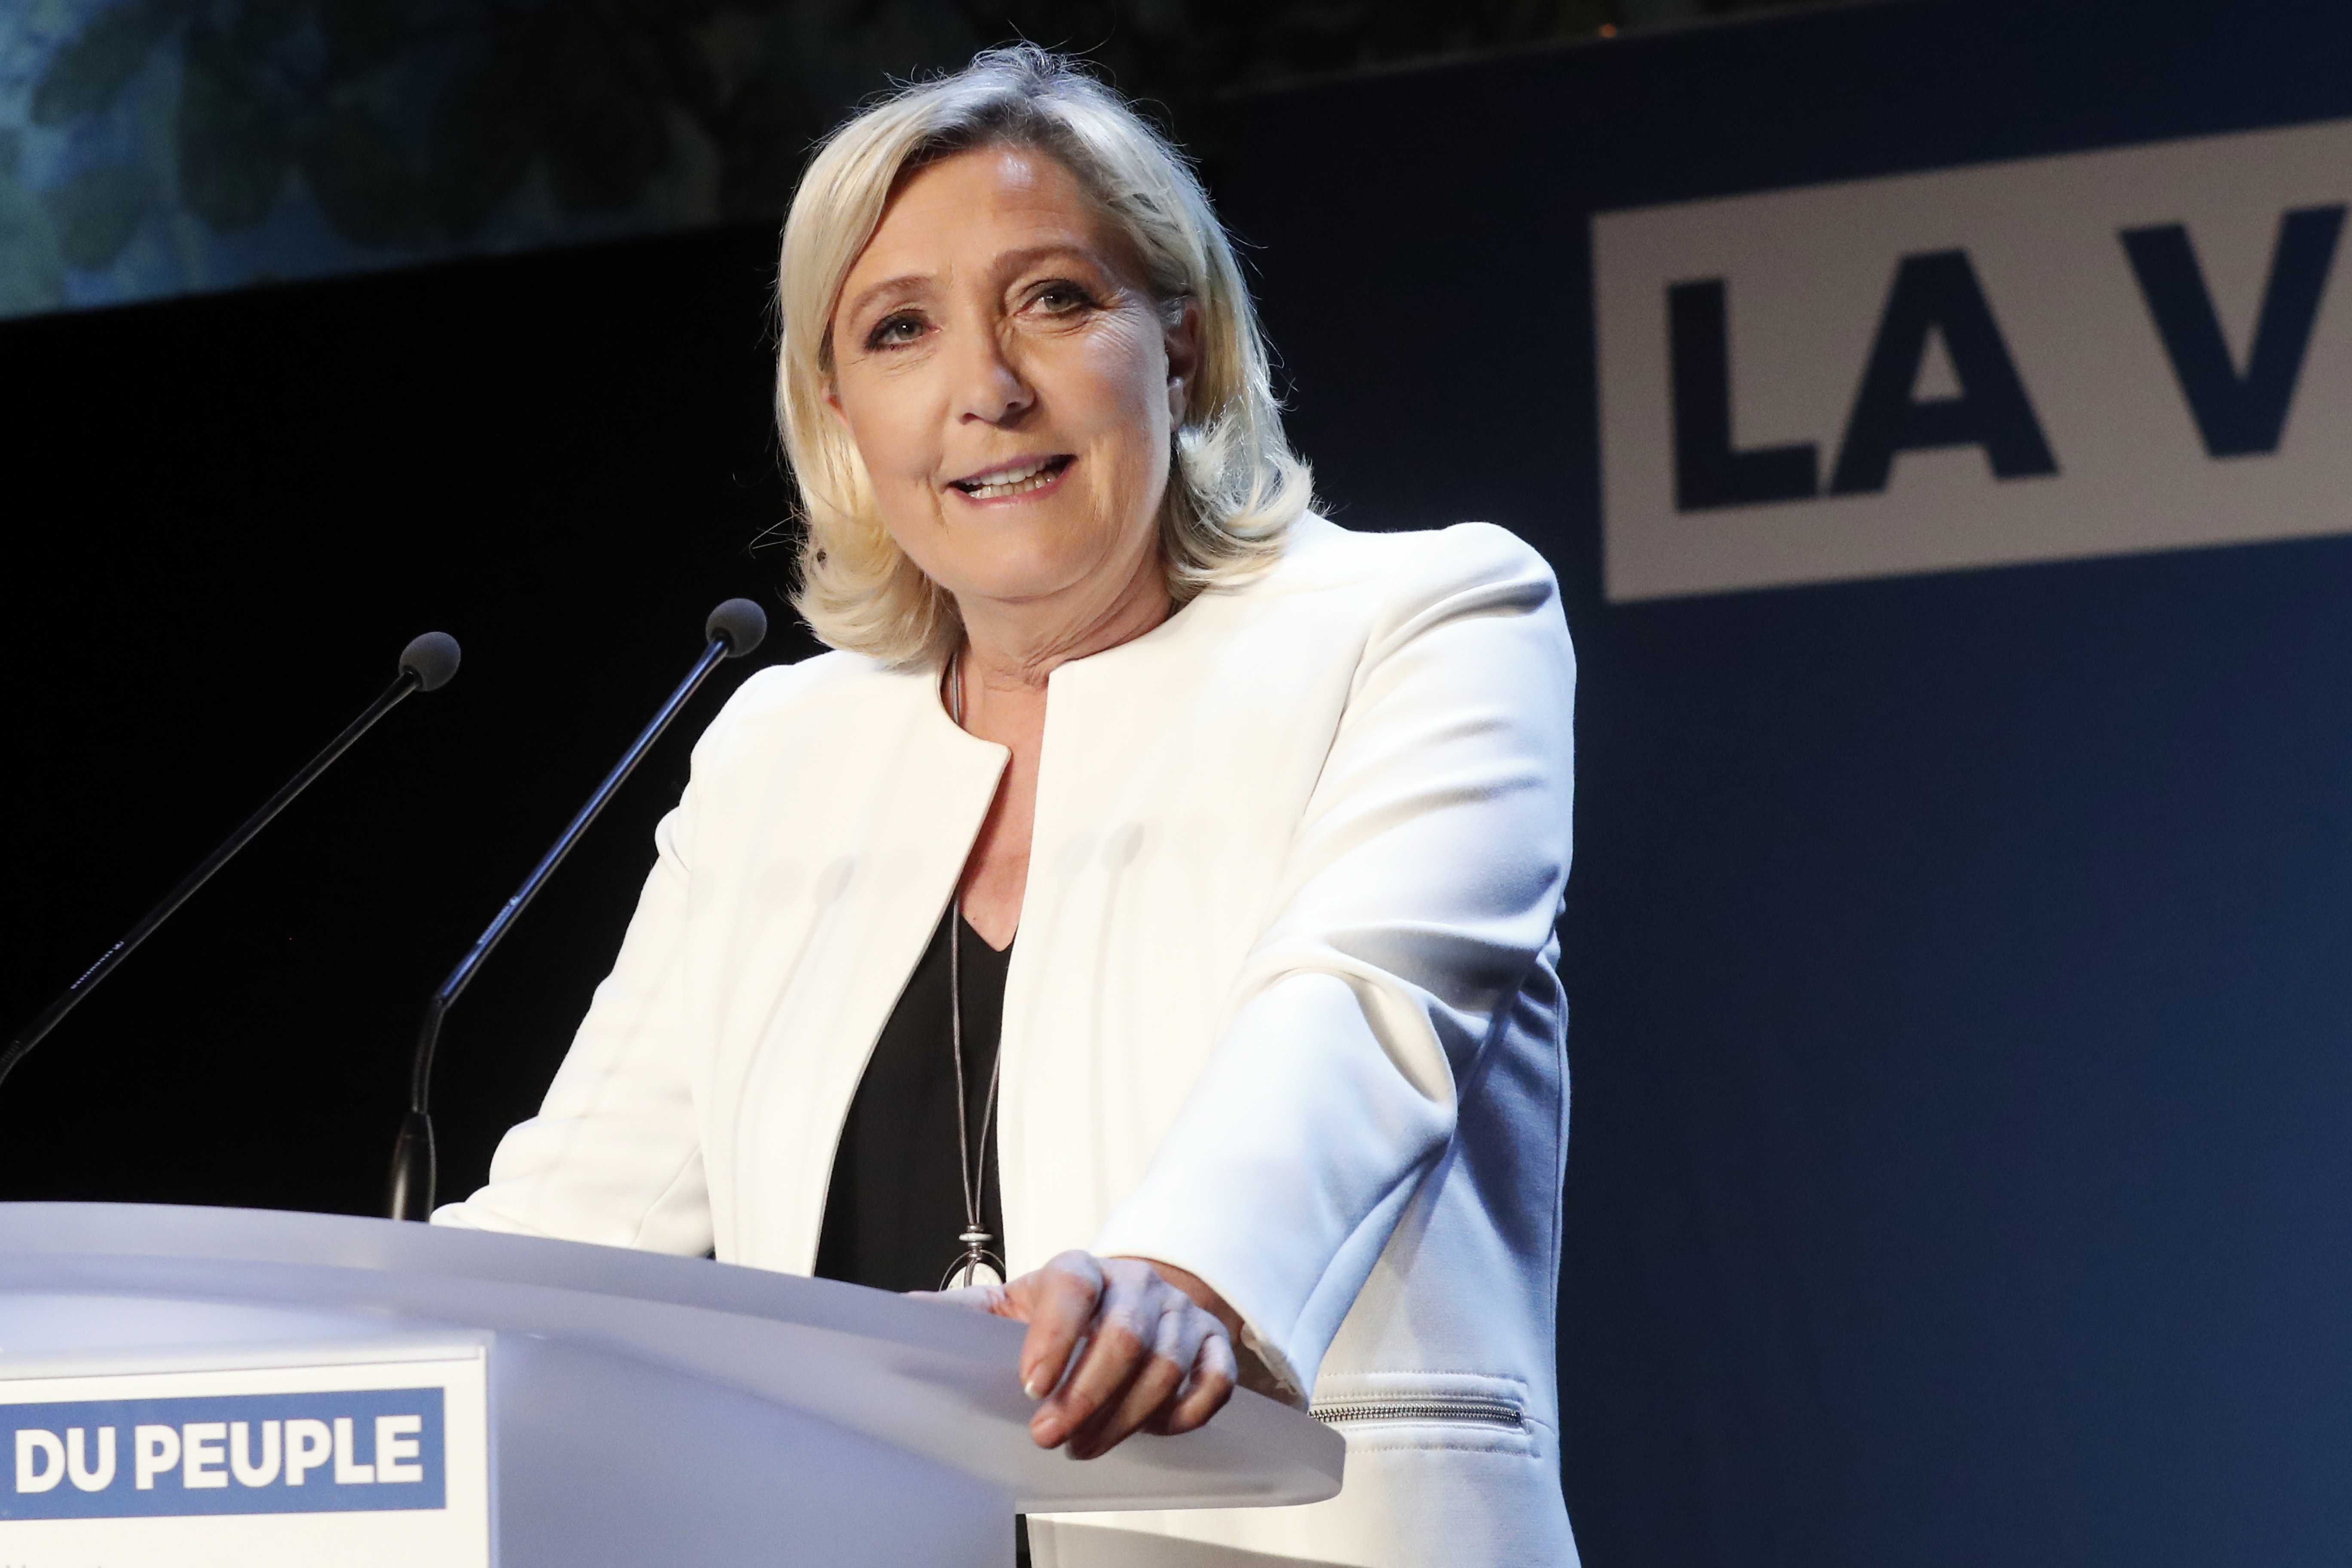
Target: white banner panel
378 1463
2131 350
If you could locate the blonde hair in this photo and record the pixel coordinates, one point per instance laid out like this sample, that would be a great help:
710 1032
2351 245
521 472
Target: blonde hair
1235 486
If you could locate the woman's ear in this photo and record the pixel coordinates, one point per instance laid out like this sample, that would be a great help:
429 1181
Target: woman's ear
1184 328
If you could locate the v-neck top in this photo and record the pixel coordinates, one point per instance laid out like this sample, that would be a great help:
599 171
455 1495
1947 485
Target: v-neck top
895 1206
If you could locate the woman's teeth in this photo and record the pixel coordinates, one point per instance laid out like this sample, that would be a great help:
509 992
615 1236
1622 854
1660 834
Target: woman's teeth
1015 481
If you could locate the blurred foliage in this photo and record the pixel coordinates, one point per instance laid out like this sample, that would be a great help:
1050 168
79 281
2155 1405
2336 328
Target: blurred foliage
32 273
96 213
1180 53
411 120
412 124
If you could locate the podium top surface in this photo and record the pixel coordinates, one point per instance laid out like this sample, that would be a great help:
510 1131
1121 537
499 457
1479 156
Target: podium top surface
935 1380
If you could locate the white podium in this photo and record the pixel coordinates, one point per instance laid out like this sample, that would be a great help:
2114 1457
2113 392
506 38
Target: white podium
225 1388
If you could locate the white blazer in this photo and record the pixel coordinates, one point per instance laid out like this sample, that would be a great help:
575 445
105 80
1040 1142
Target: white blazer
1283 1009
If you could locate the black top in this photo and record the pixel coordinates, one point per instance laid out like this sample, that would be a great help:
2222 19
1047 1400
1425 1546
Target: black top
895 1206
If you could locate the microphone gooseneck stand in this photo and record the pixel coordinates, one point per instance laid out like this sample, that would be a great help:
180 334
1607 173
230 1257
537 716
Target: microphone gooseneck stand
425 665
734 629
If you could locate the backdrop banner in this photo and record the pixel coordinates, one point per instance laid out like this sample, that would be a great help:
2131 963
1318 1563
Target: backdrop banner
2080 355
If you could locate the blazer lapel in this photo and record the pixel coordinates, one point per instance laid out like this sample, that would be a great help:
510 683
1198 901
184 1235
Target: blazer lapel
856 848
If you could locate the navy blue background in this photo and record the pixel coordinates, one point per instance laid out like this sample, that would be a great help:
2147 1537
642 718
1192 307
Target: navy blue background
1961 965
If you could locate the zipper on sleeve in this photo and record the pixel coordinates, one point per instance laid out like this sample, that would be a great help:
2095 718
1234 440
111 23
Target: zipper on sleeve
1469 1409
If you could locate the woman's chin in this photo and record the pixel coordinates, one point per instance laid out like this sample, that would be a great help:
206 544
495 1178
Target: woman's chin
1042 583
1035 557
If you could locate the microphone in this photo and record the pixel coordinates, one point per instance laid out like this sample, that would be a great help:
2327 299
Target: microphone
734 629
425 665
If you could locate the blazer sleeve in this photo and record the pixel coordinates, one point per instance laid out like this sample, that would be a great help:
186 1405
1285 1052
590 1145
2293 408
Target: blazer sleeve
1421 885
615 1154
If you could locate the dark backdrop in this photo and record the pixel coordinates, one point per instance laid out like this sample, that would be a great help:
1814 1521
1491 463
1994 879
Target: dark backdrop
1961 965
224 517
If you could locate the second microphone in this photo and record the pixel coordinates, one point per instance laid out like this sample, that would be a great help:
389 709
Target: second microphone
735 629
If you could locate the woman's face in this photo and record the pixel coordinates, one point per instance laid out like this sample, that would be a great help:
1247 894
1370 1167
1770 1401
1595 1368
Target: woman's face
1010 384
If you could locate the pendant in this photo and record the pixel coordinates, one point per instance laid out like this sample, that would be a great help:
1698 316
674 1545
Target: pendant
978 1265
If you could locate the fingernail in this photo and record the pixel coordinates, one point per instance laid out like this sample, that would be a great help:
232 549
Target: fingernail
1034 1386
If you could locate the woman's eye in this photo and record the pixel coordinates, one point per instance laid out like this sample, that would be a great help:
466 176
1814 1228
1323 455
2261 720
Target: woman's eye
1061 299
895 332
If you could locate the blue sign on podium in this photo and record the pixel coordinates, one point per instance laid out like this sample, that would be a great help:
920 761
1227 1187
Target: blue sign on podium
319 1459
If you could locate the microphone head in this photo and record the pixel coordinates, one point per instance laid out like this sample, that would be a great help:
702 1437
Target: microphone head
432 660
738 623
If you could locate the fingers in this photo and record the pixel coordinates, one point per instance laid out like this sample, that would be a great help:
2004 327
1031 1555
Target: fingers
1150 1376
1152 1361
1147 1356
1058 1301
1117 1341
1214 1377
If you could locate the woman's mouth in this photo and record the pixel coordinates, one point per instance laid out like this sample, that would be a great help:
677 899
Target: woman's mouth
1014 478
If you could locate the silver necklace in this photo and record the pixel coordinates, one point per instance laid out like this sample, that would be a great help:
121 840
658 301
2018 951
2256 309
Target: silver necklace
977 1259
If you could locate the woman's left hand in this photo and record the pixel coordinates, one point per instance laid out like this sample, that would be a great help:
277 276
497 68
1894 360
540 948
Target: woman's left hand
1153 1348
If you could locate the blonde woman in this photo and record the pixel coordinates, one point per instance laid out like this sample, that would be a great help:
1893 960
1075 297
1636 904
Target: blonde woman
1141 921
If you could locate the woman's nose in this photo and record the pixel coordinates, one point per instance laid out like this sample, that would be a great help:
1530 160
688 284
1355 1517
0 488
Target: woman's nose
991 388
